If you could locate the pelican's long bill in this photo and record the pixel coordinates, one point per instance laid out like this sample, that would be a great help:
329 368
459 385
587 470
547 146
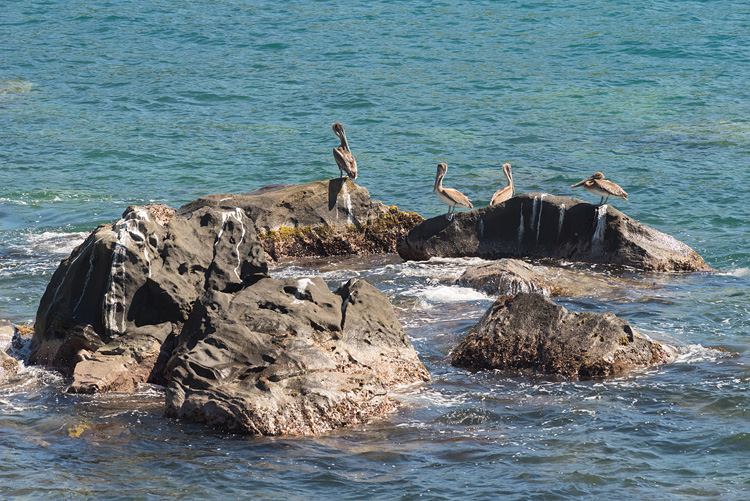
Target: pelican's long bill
590 178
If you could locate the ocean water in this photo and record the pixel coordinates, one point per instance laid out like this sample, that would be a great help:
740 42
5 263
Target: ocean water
111 103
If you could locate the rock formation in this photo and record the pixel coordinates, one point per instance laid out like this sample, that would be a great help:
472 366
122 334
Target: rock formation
8 364
290 356
538 225
323 218
511 276
183 298
529 333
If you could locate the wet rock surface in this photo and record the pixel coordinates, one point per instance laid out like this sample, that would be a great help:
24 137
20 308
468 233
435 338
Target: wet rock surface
8 364
183 299
137 279
290 357
334 217
537 225
511 276
530 333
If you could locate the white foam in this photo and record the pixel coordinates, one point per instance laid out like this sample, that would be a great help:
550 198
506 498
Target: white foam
56 242
447 294
694 353
738 272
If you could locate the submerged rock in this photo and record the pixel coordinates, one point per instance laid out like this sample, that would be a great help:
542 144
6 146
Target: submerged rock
324 218
541 226
511 276
290 357
528 332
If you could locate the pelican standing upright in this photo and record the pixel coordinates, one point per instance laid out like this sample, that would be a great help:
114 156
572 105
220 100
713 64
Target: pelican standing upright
343 155
448 195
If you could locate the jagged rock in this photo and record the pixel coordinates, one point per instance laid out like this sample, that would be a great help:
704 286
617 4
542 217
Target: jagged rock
511 276
541 226
322 218
290 357
528 332
134 282
8 364
184 299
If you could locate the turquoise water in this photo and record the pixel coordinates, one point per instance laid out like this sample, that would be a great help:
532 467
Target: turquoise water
106 104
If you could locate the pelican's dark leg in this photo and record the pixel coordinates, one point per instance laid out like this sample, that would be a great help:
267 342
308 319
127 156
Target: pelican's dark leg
601 201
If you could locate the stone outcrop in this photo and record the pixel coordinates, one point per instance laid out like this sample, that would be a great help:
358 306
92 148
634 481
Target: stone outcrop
290 356
539 225
183 299
137 279
323 218
511 276
529 333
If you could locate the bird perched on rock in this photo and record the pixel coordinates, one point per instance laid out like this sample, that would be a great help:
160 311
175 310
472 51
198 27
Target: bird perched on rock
343 155
506 193
597 185
453 198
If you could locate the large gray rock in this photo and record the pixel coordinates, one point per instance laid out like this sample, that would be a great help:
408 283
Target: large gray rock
337 201
290 357
528 332
537 225
184 299
132 284
322 218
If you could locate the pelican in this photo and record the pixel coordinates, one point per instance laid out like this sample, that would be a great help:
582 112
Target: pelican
598 186
504 194
343 155
449 196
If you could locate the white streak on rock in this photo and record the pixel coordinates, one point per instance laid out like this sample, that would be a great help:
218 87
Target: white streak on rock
601 225
520 227
348 204
539 218
128 234
237 216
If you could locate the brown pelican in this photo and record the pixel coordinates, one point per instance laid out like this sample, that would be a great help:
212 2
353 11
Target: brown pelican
453 198
598 186
504 194
343 155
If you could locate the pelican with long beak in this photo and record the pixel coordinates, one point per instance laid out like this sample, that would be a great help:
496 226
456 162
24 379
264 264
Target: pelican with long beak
453 198
506 193
597 185
343 155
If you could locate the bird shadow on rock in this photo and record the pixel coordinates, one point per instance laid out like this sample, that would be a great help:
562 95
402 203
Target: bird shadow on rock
334 188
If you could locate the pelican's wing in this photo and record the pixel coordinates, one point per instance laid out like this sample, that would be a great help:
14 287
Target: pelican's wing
501 195
613 189
458 198
345 161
